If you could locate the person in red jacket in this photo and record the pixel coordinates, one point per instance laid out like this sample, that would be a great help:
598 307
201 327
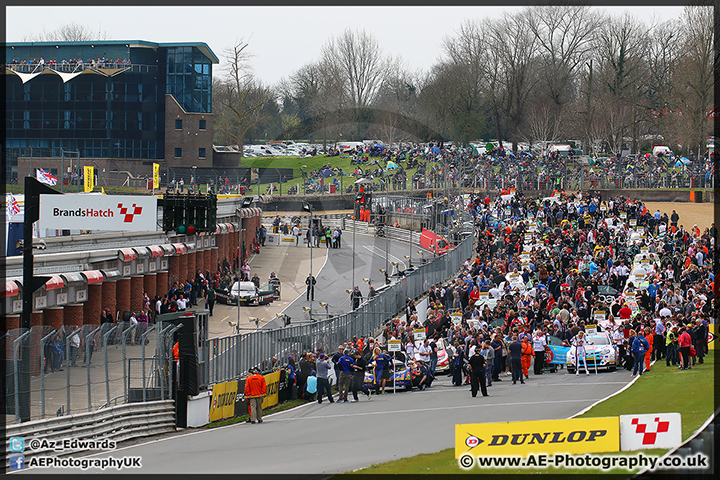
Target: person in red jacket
649 337
625 312
255 389
685 342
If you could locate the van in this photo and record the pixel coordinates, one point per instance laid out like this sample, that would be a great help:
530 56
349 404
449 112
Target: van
345 147
664 150
564 150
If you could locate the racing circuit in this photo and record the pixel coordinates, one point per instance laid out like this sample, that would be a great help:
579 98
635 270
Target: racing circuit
408 423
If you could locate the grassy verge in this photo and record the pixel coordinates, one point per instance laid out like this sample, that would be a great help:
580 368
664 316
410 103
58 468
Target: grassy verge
663 389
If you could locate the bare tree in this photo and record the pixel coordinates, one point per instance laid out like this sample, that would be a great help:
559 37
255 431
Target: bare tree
564 36
238 94
356 59
70 32
695 79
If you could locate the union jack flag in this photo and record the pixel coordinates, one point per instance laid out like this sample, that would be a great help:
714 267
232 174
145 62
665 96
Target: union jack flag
46 177
12 205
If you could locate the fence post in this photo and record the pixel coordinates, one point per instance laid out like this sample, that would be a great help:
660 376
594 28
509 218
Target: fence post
68 339
43 341
16 342
142 349
89 347
107 371
124 360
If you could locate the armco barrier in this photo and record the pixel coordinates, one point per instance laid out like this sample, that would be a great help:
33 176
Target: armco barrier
123 422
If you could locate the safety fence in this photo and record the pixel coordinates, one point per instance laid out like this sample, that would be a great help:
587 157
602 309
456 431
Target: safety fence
81 368
230 357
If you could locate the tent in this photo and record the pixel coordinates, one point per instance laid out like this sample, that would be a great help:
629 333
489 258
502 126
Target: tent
685 160
327 173
435 149
391 166
363 180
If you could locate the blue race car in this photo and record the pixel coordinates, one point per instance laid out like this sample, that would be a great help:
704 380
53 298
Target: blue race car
555 352
403 376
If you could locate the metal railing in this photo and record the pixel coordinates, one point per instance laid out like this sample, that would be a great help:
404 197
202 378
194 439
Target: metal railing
118 423
80 368
230 357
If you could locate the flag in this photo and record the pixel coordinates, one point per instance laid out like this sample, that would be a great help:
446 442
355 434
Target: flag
89 179
46 177
156 175
12 205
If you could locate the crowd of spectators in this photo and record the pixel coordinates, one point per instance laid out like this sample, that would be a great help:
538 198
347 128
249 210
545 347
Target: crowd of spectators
66 65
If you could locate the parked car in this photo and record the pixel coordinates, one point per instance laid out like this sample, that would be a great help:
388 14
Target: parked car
443 363
601 351
607 293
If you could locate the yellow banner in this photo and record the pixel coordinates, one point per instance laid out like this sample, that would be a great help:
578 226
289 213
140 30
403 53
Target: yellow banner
272 380
156 175
223 400
576 436
89 179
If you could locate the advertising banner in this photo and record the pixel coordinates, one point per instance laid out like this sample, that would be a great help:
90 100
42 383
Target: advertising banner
575 436
652 430
77 211
223 400
156 175
272 380
89 179
241 406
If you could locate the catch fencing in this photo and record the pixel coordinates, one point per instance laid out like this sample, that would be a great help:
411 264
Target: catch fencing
83 368
230 357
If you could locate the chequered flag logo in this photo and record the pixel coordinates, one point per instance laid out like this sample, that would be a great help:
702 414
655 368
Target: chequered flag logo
129 216
649 437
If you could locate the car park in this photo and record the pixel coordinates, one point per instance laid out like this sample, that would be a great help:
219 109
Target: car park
601 352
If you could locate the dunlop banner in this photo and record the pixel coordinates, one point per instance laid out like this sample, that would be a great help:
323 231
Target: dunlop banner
576 436
223 400
272 380
89 179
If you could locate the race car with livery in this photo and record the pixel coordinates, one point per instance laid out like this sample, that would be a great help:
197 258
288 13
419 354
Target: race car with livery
600 352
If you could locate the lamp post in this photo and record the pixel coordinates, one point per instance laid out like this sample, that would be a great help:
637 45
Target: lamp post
307 206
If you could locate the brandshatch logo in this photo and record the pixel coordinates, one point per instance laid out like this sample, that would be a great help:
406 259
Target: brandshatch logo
650 437
129 216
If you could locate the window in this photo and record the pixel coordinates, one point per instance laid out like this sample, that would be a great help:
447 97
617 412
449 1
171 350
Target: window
202 124
178 124
178 152
201 152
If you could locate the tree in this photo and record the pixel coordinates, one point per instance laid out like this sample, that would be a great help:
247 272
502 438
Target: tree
238 95
356 59
695 80
70 32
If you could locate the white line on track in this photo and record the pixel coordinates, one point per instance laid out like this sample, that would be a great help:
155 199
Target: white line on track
431 409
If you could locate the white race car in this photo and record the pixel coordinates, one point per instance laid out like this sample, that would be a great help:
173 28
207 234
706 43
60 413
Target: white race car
600 351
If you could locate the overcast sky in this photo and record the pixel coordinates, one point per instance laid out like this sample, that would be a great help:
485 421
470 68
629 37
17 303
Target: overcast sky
281 38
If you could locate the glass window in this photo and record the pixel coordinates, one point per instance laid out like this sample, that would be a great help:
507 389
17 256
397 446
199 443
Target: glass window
201 152
178 124
178 152
202 124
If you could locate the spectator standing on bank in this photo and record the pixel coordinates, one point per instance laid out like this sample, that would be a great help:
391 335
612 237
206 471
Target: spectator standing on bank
685 343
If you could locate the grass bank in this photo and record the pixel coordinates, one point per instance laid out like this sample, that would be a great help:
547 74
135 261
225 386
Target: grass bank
663 389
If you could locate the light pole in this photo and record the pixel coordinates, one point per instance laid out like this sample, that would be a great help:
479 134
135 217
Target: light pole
307 206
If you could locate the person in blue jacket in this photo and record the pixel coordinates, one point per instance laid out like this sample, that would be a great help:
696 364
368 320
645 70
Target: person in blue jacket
639 347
